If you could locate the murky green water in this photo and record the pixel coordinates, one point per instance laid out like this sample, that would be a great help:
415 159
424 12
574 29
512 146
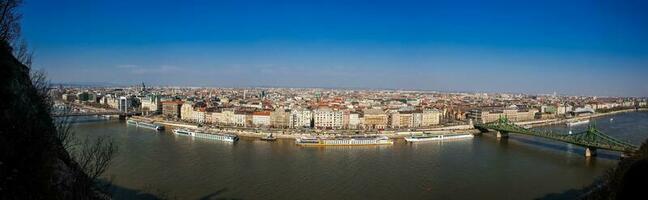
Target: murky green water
521 167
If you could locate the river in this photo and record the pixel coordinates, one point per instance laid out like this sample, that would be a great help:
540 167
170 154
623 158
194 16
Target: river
151 164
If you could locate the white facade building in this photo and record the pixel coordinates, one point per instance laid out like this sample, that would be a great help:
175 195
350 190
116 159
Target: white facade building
124 104
151 104
261 119
354 120
328 118
301 118
239 119
430 117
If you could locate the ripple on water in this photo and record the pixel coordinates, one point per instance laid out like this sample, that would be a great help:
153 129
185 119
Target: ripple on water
465 169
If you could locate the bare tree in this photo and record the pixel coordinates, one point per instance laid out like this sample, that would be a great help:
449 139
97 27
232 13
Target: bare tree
10 31
89 158
95 156
22 53
64 133
10 20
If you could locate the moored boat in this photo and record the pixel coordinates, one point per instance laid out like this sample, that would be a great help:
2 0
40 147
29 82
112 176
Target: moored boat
215 136
580 122
145 125
343 141
182 132
151 126
130 121
269 138
436 137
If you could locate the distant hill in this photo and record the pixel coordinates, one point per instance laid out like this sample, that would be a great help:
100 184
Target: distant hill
87 84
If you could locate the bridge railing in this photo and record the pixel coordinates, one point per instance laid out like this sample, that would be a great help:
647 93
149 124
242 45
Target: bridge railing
590 138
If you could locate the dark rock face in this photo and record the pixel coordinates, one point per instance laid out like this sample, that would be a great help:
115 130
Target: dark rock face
634 181
33 163
628 180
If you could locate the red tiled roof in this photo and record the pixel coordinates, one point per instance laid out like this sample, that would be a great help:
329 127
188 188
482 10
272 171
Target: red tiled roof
261 113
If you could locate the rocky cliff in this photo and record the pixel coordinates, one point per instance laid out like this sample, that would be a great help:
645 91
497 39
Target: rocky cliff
33 162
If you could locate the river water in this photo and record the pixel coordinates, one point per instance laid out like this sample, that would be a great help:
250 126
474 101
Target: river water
151 164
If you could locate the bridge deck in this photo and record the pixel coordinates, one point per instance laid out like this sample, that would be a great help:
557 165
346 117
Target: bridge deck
589 138
92 114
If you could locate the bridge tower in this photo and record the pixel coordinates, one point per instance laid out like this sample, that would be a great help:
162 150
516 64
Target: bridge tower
590 133
502 134
590 152
592 139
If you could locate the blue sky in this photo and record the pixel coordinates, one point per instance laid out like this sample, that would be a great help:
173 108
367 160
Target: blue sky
571 47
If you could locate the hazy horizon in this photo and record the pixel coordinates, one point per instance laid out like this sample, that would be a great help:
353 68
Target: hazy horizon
572 48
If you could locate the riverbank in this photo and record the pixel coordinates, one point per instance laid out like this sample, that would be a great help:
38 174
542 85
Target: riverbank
394 134
547 122
184 166
296 133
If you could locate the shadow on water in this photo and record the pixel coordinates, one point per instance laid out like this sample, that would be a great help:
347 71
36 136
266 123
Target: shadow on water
216 195
561 147
87 120
568 194
150 193
119 192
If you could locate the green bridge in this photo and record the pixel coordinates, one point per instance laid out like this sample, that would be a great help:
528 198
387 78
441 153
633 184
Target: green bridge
592 139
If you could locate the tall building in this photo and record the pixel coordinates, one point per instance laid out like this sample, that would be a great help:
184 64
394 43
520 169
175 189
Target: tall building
280 118
326 118
239 119
261 118
354 120
151 104
186 111
375 119
301 118
402 119
217 117
430 117
227 117
171 109
199 115
487 115
125 104
417 118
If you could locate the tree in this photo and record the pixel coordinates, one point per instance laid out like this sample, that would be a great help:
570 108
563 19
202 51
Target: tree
10 20
40 158
10 30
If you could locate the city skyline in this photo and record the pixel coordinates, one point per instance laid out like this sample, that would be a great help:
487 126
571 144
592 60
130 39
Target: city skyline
323 99
574 48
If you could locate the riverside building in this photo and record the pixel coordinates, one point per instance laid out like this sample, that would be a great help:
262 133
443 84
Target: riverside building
493 114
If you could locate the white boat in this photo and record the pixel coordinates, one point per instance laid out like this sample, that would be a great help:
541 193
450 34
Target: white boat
145 125
151 126
436 137
198 134
269 138
344 141
580 122
130 121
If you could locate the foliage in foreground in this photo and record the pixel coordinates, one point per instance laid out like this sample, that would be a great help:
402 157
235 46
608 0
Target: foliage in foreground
40 158
626 181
